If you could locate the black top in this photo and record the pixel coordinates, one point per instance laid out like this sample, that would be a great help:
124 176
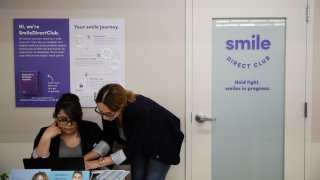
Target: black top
90 134
150 129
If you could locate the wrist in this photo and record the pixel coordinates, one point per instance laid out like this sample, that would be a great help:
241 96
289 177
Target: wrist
101 162
45 138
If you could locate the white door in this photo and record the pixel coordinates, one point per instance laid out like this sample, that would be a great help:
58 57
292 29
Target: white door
246 65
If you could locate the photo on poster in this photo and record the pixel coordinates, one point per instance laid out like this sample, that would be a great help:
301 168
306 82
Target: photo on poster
29 83
70 175
32 174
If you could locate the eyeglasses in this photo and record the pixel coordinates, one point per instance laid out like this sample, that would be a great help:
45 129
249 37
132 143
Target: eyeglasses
107 114
65 121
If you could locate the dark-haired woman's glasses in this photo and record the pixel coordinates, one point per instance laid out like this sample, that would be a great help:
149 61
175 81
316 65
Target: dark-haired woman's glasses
107 114
65 121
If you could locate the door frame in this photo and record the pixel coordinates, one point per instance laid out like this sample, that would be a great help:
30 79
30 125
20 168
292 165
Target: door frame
308 91
309 160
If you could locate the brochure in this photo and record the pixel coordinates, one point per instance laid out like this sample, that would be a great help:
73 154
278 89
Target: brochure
108 174
47 174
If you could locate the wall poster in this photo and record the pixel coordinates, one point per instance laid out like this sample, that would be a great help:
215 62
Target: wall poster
54 56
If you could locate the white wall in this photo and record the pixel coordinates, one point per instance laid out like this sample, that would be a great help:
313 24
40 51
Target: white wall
11 155
155 63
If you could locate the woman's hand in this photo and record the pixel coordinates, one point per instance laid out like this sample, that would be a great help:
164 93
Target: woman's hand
52 131
94 164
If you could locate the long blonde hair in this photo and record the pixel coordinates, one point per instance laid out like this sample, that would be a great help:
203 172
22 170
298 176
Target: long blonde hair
115 96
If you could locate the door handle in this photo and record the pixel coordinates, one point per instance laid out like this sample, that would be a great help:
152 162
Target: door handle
201 117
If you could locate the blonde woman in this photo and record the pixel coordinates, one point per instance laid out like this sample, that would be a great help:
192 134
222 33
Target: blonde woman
150 134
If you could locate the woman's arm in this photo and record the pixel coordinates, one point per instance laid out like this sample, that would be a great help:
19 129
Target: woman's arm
100 150
42 148
92 136
115 158
91 155
99 163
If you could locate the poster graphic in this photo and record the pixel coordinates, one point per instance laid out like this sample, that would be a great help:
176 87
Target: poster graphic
48 174
41 61
69 175
22 174
97 56
55 56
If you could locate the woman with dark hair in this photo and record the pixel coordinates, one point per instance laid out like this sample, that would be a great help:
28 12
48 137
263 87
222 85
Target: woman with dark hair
69 135
77 175
150 134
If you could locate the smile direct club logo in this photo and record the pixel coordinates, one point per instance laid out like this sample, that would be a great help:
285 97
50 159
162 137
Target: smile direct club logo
253 44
